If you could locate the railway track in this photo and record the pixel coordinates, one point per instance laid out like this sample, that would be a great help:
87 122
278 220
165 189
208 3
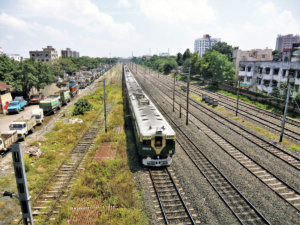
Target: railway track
238 204
173 207
46 205
259 115
274 150
281 188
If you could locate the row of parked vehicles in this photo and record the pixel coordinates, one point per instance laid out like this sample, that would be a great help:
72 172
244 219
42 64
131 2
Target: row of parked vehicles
21 127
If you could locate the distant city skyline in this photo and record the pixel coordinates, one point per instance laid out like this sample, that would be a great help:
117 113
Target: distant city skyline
122 27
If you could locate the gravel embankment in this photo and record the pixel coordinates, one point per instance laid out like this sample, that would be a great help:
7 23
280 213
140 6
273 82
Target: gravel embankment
212 209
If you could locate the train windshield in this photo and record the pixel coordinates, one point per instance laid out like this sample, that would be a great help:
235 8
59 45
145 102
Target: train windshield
12 104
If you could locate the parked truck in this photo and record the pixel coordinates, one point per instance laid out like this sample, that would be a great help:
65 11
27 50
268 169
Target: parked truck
23 127
34 99
50 104
39 115
6 140
65 96
73 89
16 105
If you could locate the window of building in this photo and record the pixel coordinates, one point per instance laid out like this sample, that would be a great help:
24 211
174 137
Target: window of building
298 74
242 68
266 82
42 60
259 81
274 83
249 68
46 55
276 71
297 89
47 59
32 54
268 70
263 56
292 72
37 54
248 79
260 70
284 72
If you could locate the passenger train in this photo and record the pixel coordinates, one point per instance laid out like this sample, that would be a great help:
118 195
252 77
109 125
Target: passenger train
155 138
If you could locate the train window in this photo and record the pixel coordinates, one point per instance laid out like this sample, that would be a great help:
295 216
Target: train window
158 141
147 142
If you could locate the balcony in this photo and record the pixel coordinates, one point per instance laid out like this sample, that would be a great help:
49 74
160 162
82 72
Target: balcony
267 77
242 73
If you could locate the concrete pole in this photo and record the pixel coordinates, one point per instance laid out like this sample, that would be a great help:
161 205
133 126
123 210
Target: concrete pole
237 100
21 181
187 97
174 93
285 110
104 106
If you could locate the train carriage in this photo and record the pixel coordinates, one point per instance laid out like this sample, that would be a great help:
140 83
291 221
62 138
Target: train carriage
155 138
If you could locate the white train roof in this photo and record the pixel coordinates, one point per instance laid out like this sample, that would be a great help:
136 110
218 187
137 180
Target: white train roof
149 119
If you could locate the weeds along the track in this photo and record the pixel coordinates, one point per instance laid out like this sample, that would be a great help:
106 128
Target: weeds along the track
108 189
55 147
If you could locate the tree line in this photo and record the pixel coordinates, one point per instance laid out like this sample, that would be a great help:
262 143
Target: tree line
215 65
28 73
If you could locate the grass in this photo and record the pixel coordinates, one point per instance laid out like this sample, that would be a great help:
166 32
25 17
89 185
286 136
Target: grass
111 184
259 104
55 147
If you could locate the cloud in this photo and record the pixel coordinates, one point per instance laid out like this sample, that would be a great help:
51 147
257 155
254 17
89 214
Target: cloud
124 3
178 11
263 33
83 14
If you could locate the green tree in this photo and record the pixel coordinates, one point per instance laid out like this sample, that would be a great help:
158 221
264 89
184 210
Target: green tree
224 48
276 92
169 65
179 59
8 70
217 67
186 55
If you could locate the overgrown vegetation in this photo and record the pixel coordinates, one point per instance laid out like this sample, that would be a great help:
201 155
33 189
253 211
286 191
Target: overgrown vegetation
81 106
110 184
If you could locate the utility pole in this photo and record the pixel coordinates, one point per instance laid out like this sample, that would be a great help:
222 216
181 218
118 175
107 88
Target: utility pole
174 92
187 97
21 181
104 106
285 109
237 99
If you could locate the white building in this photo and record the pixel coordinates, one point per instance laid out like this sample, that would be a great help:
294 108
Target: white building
15 57
264 75
1 51
202 44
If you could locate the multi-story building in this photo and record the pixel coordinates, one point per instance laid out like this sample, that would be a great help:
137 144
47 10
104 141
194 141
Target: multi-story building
75 54
47 55
286 41
264 75
1 51
206 42
15 57
69 53
252 55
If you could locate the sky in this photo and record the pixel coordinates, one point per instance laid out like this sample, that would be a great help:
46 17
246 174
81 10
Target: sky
122 28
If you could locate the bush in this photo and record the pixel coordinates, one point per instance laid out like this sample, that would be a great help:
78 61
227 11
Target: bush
81 106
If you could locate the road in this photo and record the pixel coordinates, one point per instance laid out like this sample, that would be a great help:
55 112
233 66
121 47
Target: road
5 120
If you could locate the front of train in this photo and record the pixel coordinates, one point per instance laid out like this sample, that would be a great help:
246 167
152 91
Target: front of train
158 148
